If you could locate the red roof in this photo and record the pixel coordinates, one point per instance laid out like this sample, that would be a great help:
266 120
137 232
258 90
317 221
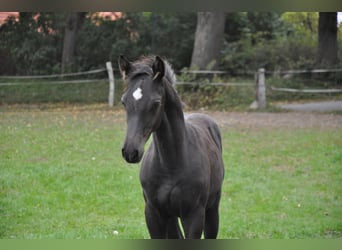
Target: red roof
4 15
109 15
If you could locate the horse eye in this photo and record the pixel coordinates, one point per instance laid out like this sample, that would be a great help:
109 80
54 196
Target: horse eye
156 104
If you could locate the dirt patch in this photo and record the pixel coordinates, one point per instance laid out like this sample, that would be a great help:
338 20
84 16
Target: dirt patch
224 119
314 106
277 120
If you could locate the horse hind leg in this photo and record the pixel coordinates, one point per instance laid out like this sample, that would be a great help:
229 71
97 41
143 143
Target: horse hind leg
212 221
173 229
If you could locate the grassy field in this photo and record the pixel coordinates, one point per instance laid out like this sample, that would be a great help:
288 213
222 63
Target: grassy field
62 176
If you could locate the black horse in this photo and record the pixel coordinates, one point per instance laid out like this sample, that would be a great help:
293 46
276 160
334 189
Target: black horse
182 170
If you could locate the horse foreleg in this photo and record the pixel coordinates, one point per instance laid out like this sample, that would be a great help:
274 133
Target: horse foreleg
173 230
193 224
157 226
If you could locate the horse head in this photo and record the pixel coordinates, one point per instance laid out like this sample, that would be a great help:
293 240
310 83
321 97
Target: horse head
143 101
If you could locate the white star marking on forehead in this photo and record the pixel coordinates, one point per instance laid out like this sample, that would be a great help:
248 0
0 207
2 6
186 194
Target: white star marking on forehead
137 94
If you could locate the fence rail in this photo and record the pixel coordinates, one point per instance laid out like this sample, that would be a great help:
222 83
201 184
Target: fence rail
216 84
303 71
95 71
317 91
248 72
108 68
260 101
259 78
51 82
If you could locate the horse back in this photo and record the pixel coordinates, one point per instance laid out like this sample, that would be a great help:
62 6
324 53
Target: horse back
205 126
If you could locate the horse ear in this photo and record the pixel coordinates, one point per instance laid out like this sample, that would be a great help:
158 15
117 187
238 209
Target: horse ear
158 68
125 66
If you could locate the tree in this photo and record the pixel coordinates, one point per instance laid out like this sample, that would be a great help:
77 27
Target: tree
134 34
31 43
73 24
208 39
34 42
263 25
301 23
327 39
173 36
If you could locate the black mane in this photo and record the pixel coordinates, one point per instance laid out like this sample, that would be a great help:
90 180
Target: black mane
144 66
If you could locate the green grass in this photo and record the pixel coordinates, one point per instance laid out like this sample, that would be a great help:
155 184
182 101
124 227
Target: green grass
282 184
62 176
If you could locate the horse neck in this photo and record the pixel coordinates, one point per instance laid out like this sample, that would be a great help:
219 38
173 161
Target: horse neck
169 137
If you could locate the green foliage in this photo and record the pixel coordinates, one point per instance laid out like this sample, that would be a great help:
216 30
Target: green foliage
136 34
301 23
236 26
216 97
197 92
274 42
264 25
283 54
33 44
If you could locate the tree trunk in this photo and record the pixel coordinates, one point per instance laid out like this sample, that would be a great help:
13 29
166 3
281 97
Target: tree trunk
327 39
73 24
208 40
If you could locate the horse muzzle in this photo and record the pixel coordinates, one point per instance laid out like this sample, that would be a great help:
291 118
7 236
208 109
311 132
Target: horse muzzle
131 155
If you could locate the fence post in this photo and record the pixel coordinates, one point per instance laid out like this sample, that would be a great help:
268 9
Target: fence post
111 84
260 92
261 89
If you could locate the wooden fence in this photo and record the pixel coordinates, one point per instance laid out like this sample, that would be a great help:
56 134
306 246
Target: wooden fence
11 79
260 101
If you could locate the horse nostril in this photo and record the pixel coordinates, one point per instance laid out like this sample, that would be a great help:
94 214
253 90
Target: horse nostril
135 156
131 156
